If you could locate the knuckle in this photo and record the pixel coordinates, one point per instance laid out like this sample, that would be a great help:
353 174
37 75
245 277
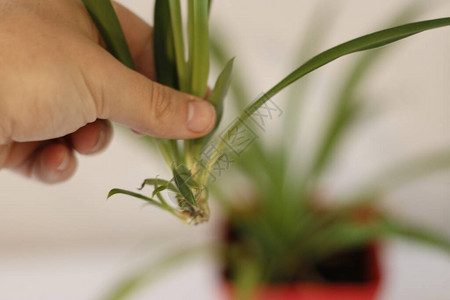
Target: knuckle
97 97
161 103
95 85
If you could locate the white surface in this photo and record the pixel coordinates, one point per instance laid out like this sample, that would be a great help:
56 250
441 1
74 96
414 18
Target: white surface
413 272
67 242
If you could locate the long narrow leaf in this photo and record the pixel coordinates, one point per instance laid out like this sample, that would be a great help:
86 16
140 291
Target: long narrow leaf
209 5
217 98
165 39
198 63
159 182
220 91
135 195
402 174
393 178
394 227
238 95
107 23
182 176
177 29
220 54
222 85
151 273
198 46
366 42
164 49
317 31
347 104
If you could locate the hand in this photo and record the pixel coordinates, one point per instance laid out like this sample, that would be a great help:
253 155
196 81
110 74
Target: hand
58 86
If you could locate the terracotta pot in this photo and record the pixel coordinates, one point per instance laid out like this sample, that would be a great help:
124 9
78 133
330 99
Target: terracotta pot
366 290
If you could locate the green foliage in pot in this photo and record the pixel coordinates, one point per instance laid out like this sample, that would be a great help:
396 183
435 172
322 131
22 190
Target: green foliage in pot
284 231
187 159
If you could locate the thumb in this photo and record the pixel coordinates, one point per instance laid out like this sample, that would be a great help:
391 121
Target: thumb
131 99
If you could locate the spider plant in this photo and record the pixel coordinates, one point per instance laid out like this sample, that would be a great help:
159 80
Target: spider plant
283 231
192 161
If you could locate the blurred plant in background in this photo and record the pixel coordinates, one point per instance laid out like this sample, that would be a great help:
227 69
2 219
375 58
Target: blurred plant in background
281 231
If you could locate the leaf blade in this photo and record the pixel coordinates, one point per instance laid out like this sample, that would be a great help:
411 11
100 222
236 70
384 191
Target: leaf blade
370 41
182 176
164 48
178 41
157 182
402 174
135 195
366 42
394 227
217 99
107 23
198 46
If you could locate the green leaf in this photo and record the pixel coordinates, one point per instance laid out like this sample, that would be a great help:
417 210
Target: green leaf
198 62
347 104
366 42
220 53
198 29
177 31
402 174
151 273
217 98
135 195
164 47
346 234
159 189
221 89
394 227
159 182
209 5
318 29
107 23
183 177
395 177
238 95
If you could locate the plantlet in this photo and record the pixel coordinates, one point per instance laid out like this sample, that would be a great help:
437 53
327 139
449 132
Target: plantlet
190 166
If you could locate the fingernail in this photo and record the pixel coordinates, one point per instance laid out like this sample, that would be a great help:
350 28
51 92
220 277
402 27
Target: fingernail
200 115
64 163
100 141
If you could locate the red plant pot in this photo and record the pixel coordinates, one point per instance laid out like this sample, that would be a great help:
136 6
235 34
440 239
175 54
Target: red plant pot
366 290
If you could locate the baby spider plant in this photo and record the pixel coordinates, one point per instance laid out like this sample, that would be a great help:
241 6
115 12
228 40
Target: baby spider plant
187 73
182 62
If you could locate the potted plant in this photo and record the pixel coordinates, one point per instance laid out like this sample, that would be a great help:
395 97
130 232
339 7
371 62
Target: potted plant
283 235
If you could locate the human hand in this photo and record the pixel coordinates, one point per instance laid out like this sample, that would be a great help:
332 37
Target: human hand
59 86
